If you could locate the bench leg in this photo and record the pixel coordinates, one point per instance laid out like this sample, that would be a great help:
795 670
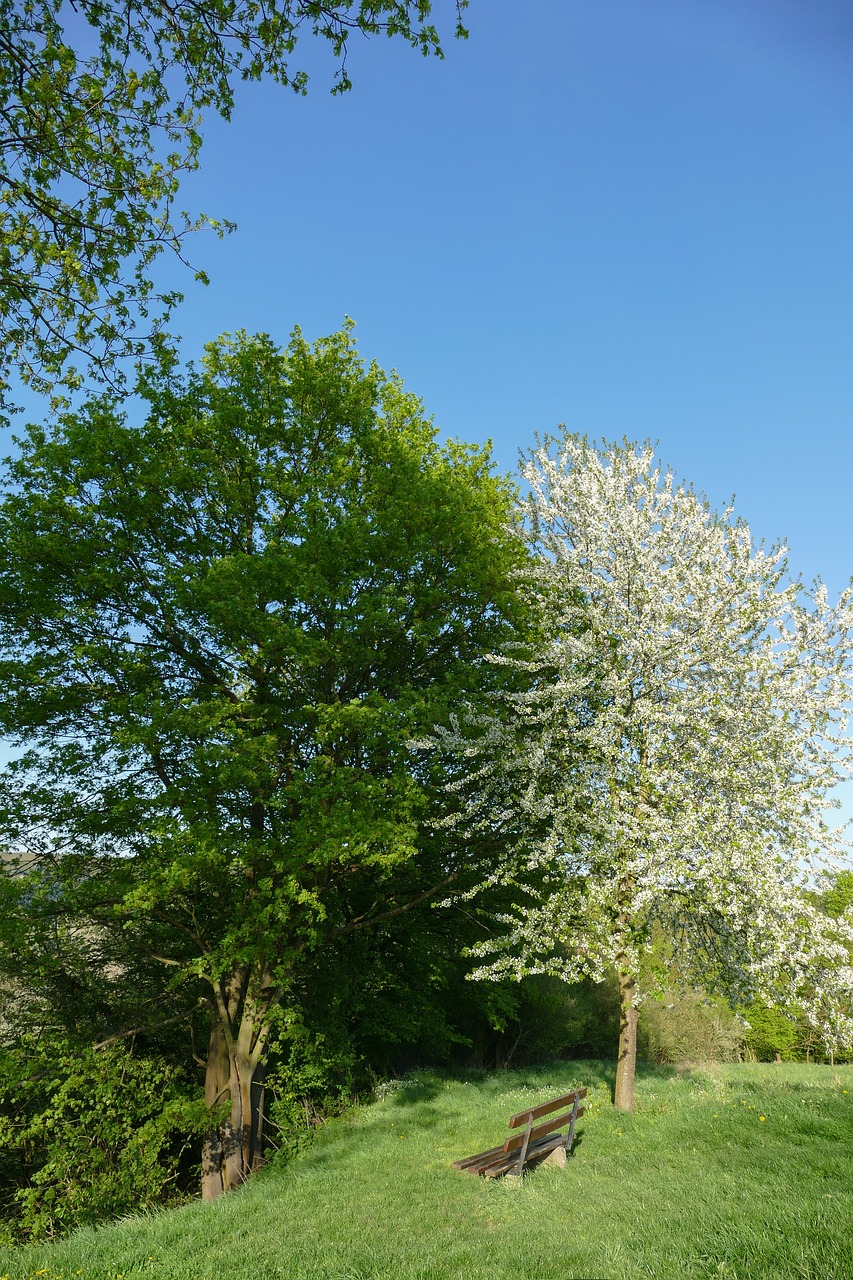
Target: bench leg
570 1136
522 1155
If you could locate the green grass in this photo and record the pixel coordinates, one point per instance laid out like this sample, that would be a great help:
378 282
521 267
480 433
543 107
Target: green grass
737 1171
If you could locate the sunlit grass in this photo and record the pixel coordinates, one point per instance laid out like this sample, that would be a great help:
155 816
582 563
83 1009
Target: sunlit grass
741 1171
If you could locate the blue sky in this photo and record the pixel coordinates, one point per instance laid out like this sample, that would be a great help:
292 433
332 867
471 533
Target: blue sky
634 217
631 216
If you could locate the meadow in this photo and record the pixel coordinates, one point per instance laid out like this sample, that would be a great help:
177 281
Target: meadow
742 1171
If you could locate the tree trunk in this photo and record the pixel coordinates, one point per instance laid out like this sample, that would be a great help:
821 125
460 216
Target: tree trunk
626 1063
216 1079
232 1148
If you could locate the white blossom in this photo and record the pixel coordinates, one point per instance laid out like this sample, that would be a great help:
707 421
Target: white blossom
683 725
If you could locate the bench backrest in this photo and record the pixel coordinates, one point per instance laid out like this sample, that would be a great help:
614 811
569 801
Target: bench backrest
526 1118
545 1108
511 1156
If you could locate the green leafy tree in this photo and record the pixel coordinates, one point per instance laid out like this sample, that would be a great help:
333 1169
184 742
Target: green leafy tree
818 1018
826 1008
771 1034
100 111
835 896
223 632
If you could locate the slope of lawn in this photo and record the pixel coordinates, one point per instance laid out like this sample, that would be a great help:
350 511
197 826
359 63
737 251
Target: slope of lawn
736 1171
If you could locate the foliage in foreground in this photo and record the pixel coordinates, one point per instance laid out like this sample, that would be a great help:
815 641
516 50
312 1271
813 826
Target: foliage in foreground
737 1171
88 1134
100 112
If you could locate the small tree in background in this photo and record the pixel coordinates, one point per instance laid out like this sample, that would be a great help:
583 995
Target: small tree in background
683 730
826 998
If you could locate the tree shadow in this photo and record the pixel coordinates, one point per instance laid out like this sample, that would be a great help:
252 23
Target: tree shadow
415 1090
412 1105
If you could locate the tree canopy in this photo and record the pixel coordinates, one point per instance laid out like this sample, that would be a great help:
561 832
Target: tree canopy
101 105
684 730
223 633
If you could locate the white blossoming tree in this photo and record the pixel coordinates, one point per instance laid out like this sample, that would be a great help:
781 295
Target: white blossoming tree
682 727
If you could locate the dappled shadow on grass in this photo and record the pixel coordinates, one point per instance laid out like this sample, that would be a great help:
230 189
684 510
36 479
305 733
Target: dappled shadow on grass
579 1071
439 1110
368 1133
417 1089
656 1071
445 1113
430 1119
595 1073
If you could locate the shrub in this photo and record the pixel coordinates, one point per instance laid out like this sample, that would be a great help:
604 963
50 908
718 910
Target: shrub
686 1026
87 1134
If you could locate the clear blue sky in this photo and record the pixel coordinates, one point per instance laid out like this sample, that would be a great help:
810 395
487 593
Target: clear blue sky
631 216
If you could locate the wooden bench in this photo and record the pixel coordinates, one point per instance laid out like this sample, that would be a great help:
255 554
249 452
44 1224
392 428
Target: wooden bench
537 1141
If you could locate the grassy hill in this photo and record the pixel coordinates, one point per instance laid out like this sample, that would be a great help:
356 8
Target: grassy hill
736 1171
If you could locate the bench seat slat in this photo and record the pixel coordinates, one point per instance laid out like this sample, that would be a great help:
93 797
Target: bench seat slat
496 1161
483 1155
546 1108
536 1151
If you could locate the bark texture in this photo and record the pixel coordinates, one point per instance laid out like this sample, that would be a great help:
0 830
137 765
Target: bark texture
236 1060
626 1063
